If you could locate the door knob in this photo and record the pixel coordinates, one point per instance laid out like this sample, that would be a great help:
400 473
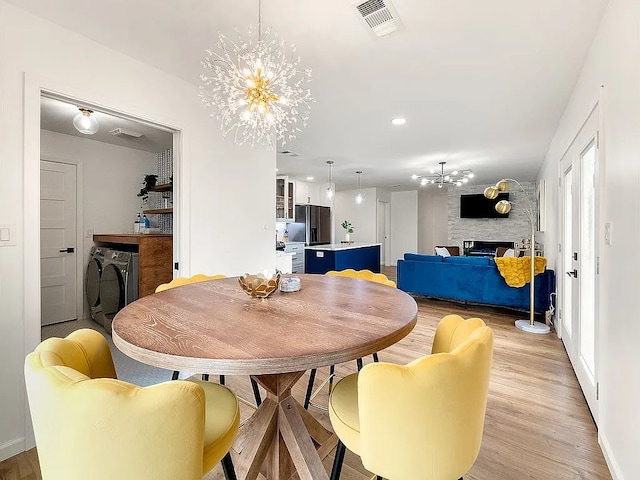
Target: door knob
68 250
573 273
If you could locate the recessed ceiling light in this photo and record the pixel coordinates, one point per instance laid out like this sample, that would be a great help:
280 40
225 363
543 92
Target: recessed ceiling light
309 178
399 121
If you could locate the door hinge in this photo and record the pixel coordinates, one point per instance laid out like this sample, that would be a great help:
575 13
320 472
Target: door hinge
597 390
559 249
559 314
176 266
559 182
597 265
597 138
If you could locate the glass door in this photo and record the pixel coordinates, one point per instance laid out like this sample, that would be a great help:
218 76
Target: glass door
579 257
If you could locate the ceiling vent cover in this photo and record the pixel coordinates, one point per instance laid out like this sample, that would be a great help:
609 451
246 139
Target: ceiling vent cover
380 16
118 132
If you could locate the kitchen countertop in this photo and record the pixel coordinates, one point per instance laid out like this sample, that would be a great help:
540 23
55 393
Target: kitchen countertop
341 246
280 253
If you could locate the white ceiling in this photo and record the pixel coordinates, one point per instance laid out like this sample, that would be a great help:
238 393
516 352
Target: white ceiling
57 116
481 84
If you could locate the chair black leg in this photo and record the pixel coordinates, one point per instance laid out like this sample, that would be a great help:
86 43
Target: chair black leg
221 379
256 392
175 375
375 357
205 377
359 363
307 398
378 477
337 461
227 467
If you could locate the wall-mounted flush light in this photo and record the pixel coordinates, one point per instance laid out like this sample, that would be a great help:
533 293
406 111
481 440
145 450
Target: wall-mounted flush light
309 178
85 122
399 121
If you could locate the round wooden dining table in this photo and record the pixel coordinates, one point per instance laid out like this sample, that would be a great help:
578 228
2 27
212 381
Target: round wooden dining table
215 327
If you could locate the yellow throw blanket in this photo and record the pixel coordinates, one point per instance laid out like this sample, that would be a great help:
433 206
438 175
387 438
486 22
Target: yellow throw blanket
517 270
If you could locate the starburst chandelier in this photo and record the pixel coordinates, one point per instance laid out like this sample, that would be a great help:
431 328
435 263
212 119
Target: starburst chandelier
456 177
256 88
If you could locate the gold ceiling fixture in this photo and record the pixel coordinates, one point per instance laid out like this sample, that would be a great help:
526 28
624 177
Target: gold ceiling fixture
257 89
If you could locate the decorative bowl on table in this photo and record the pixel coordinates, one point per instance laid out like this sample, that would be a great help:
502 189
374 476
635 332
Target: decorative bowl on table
259 285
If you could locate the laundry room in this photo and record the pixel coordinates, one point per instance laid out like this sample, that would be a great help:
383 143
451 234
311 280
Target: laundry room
96 187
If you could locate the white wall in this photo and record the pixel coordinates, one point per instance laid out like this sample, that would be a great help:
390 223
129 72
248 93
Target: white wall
111 179
433 214
225 192
363 217
614 61
404 224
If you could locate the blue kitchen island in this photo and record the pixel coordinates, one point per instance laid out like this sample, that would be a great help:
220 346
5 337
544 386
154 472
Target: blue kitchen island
340 256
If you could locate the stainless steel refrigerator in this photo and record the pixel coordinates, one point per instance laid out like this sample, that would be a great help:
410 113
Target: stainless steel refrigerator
312 225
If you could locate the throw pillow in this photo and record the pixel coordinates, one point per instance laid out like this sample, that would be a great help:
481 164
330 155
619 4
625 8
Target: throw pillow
442 251
509 252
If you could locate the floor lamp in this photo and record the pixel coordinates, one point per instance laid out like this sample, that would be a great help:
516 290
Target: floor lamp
503 207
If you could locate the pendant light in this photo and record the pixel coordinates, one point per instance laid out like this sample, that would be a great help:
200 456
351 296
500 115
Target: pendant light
331 188
359 196
85 122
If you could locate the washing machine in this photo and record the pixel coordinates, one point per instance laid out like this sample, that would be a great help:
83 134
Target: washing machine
118 283
92 286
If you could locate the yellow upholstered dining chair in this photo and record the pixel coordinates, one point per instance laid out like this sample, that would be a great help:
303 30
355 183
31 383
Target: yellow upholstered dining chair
362 275
423 420
89 424
178 282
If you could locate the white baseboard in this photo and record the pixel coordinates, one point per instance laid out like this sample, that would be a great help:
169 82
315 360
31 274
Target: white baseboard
614 469
11 448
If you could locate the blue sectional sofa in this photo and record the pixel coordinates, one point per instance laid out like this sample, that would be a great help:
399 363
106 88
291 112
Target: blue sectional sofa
469 279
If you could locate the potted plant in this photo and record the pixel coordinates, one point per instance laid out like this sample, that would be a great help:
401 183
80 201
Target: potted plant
148 183
349 230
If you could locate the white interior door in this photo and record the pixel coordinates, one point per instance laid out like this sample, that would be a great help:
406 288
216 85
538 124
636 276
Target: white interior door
579 258
58 275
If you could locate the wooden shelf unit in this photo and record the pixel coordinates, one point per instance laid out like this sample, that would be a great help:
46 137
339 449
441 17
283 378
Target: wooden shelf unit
158 210
163 187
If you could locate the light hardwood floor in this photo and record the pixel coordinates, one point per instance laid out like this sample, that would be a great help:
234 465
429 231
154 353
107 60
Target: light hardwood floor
537 425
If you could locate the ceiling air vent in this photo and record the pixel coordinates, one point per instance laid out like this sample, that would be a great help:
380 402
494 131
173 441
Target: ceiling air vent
289 153
380 16
118 132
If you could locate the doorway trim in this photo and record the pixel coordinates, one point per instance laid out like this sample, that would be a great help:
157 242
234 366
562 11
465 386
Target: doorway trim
34 87
79 227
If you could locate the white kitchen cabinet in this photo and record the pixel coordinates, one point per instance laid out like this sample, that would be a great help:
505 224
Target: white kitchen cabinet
297 249
311 193
285 199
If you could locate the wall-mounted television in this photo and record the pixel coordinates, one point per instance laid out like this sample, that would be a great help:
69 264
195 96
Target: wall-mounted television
478 206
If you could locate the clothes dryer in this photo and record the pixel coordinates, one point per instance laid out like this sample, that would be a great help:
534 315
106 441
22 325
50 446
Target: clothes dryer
92 285
118 283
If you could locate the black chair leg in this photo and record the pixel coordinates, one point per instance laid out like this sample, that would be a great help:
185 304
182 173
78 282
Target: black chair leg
205 377
175 375
256 392
227 467
359 362
375 357
307 398
221 379
337 461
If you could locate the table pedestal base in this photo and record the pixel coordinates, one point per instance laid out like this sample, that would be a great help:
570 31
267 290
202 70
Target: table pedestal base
281 437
